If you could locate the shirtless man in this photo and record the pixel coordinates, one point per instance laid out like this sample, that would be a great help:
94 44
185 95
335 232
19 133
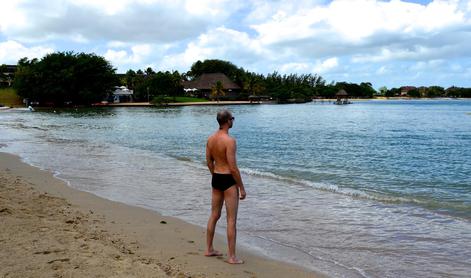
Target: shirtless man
227 186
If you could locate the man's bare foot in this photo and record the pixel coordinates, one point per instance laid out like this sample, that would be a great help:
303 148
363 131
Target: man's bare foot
234 260
213 253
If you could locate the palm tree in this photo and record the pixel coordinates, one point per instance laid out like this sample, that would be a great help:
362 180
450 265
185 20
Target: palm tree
218 90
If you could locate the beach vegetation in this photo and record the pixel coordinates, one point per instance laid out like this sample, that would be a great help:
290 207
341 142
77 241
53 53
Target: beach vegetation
9 97
383 91
458 92
150 85
253 84
162 100
65 78
415 93
393 92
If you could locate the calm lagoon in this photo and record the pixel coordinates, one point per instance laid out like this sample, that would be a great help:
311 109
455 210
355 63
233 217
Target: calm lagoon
371 189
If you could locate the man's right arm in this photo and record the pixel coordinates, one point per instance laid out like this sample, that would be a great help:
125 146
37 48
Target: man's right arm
231 160
209 159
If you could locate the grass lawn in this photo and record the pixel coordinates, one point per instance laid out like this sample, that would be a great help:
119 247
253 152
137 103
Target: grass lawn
186 99
8 97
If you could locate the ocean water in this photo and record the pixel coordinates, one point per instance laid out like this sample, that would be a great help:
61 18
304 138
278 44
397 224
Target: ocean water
371 189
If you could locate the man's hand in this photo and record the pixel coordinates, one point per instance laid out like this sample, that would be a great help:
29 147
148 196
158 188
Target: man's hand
242 194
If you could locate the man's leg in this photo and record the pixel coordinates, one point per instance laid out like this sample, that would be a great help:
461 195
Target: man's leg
231 197
216 207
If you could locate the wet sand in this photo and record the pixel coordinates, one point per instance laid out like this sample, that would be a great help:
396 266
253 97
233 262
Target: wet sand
48 229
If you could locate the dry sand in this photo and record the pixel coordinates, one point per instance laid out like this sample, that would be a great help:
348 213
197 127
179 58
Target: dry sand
48 229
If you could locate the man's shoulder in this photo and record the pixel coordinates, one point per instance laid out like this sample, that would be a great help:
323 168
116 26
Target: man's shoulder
226 138
229 139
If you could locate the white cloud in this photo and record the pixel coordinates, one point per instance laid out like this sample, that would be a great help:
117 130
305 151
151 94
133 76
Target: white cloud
136 55
295 68
320 66
386 29
12 51
117 44
11 15
432 65
382 70
137 21
210 8
326 65
220 43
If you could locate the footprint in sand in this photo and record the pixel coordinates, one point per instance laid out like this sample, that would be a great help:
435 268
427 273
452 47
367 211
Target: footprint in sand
5 211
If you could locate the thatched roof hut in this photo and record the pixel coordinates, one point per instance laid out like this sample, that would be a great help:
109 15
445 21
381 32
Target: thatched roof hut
205 82
342 97
341 94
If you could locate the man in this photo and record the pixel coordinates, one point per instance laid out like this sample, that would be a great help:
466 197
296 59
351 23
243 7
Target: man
227 186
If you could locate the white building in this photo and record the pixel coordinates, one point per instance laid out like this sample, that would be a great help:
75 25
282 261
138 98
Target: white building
122 94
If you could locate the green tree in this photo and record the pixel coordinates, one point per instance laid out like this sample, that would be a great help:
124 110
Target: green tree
435 91
367 90
65 77
218 90
130 79
393 92
383 90
413 93
149 71
215 66
160 84
254 84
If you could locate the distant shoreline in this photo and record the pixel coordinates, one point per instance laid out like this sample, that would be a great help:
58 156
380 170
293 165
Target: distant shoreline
246 102
148 104
236 102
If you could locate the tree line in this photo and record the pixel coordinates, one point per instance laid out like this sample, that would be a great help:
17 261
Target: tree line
82 79
65 78
426 92
274 85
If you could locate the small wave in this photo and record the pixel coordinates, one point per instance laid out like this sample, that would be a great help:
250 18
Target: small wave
23 126
360 194
357 270
183 158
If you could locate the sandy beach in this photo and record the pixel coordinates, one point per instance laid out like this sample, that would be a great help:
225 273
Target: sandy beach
49 229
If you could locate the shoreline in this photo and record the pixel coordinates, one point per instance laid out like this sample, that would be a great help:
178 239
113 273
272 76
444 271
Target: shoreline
55 229
238 102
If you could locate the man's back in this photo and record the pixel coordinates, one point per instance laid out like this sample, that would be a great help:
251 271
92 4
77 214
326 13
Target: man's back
218 143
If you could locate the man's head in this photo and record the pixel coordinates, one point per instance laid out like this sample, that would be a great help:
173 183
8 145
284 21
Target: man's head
224 117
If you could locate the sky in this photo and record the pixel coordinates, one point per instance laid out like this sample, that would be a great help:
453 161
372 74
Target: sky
388 43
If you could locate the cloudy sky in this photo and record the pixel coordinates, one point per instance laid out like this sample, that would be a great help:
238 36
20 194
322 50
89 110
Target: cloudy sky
389 43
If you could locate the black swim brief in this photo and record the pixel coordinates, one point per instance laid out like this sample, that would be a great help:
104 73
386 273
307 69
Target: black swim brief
222 181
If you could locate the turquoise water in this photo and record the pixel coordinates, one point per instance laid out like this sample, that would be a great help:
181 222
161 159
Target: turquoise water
372 189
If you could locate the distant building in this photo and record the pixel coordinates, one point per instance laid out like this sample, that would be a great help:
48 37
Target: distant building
342 97
122 94
7 75
203 84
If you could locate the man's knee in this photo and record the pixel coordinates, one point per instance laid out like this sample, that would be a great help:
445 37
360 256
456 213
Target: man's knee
216 215
231 221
